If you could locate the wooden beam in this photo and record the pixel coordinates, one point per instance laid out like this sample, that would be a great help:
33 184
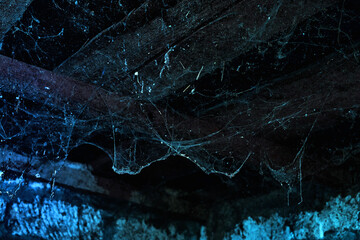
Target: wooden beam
40 85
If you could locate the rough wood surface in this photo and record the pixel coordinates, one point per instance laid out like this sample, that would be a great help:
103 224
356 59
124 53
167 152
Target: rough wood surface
10 12
168 53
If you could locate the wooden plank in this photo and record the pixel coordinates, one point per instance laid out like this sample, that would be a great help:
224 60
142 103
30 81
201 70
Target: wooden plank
40 85
10 12
149 60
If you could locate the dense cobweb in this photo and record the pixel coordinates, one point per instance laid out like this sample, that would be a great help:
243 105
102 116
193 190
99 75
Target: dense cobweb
216 113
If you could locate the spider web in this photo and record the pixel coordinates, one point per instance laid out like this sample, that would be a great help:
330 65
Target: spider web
219 108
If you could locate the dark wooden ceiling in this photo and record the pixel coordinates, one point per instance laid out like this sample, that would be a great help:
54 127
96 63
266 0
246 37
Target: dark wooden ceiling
254 93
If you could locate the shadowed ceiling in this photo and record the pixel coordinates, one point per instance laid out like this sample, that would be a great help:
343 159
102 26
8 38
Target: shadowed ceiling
217 100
